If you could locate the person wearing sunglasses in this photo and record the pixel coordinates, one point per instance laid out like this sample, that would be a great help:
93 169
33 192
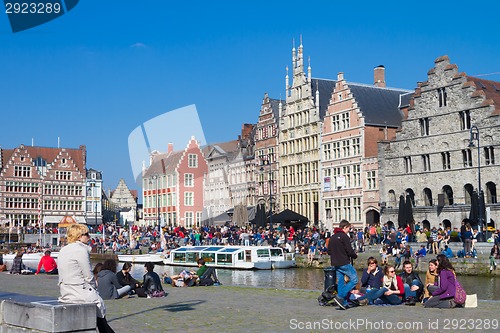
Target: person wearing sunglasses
392 290
76 280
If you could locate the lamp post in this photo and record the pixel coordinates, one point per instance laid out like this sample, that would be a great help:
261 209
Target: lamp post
474 135
155 177
268 162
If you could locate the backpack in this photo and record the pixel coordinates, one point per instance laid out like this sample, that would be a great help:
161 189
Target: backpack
327 296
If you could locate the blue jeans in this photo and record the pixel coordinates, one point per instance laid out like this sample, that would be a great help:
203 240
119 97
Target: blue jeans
344 288
373 294
409 292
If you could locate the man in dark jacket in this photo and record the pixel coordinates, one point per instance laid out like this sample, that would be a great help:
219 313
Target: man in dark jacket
412 283
341 255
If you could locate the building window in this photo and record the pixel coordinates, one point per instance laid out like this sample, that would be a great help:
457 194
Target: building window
188 198
392 198
345 120
464 119
491 193
356 202
467 157
327 154
407 162
445 158
192 160
356 146
371 178
356 175
424 126
426 160
468 189
22 171
188 219
188 180
336 123
442 97
427 197
489 154
448 195
346 149
336 150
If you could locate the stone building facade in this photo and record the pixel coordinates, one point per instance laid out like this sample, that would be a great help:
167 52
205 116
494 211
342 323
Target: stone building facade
431 159
299 140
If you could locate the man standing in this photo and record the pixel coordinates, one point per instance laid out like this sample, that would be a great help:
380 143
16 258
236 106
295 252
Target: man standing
341 255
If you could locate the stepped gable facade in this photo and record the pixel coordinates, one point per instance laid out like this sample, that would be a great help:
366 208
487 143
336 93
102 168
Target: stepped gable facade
431 158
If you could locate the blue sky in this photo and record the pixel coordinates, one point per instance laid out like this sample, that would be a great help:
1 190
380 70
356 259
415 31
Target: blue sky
96 73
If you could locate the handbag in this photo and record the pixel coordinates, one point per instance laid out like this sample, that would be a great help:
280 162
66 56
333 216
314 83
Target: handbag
460 294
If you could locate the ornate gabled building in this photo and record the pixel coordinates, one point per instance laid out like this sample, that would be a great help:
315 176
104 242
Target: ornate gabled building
126 200
299 140
431 159
41 186
173 187
266 153
217 198
241 173
358 116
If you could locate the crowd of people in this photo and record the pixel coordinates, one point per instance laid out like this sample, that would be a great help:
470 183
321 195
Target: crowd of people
382 284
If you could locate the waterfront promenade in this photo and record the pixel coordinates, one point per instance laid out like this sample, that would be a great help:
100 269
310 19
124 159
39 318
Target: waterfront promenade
245 309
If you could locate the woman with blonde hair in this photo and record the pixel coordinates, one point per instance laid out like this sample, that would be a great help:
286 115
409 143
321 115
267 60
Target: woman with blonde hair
76 280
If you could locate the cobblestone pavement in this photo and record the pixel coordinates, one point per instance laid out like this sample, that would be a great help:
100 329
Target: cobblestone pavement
242 309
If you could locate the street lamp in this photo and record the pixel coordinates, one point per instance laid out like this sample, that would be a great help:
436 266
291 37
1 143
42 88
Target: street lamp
155 177
474 135
268 162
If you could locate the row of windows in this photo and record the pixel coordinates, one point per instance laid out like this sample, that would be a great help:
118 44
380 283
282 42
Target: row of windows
343 148
165 200
23 219
21 187
463 118
29 203
488 154
63 205
162 182
340 122
63 175
449 197
347 176
300 174
344 208
299 145
266 132
22 171
69 190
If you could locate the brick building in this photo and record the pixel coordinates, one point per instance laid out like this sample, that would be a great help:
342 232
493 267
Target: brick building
173 186
41 185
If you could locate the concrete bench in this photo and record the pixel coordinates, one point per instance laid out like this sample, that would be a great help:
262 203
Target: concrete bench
23 313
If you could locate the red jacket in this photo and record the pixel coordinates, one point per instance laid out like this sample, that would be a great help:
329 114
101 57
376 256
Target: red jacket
48 263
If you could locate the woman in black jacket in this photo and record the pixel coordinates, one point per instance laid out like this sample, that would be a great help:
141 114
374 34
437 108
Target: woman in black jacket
152 283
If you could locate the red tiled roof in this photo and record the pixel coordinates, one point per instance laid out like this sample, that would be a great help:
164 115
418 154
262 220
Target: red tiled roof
491 90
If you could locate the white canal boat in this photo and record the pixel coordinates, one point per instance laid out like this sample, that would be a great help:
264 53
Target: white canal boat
157 258
30 260
232 257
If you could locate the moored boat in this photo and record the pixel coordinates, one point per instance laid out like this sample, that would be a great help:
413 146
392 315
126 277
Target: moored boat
30 260
232 257
157 258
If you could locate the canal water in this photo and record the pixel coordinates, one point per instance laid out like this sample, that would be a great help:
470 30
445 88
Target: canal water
486 288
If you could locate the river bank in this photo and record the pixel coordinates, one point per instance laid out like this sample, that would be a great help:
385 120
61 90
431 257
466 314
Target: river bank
479 266
244 309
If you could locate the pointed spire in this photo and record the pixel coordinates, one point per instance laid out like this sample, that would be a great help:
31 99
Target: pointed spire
317 96
287 81
294 58
300 56
309 69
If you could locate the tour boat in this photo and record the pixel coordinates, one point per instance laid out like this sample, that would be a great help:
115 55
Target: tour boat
30 260
157 258
232 257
